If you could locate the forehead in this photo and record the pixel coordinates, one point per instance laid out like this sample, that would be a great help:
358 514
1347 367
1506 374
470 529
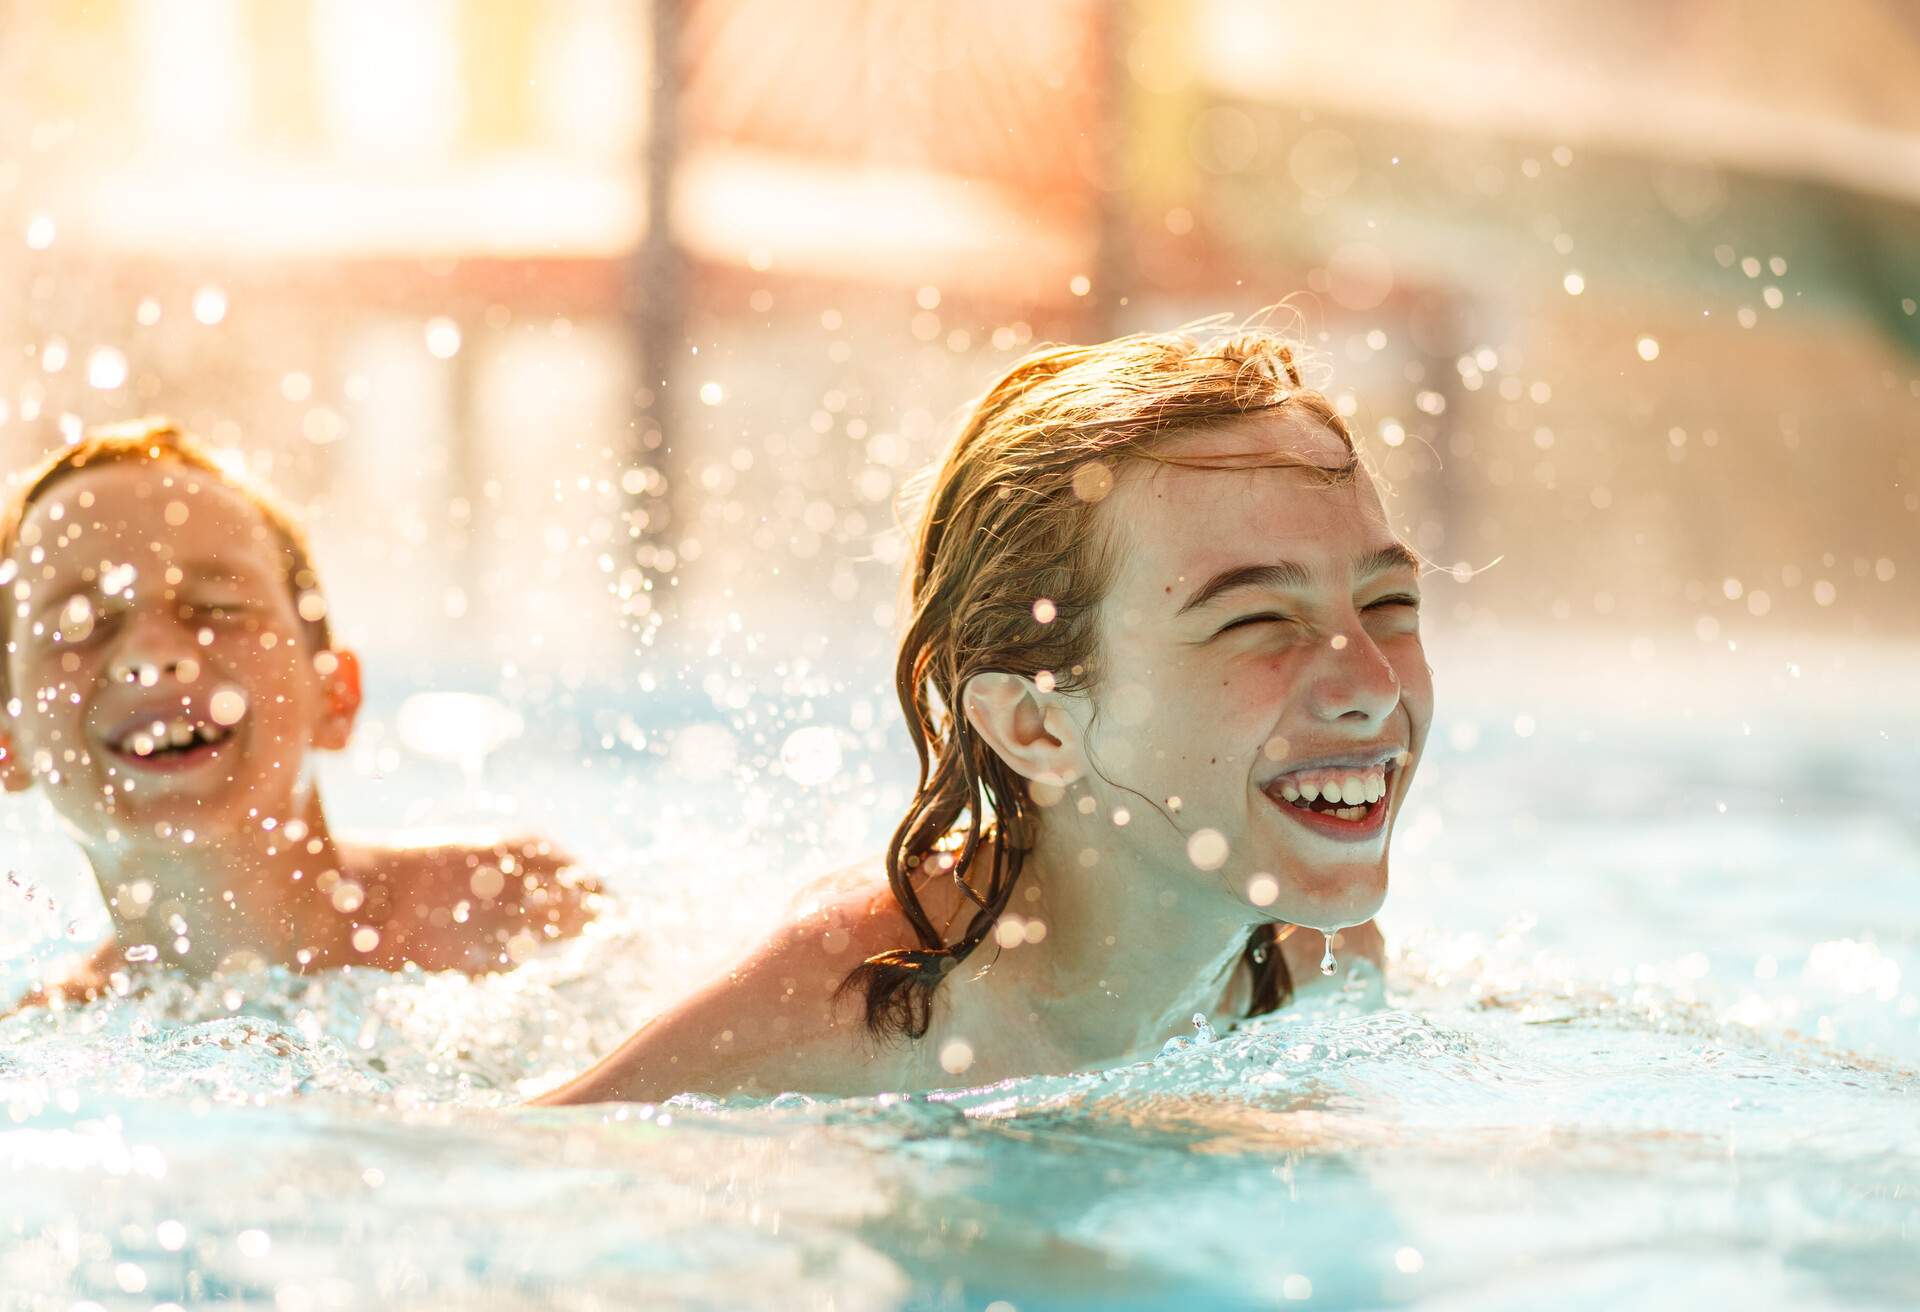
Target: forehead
126 508
1172 525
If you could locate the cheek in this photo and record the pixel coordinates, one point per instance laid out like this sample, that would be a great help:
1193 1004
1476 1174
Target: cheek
246 650
57 710
1255 693
1409 660
1220 715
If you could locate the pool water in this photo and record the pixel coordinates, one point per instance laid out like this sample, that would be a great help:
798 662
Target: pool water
1647 1037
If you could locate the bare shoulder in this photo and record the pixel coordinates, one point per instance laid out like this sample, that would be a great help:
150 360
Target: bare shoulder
470 906
779 1020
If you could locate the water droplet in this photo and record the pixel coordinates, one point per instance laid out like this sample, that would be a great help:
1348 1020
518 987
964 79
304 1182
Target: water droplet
1207 849
227 707
810 756
76 619
143 952
106 369
1092 481
118 579
209 305
1327 964
443 338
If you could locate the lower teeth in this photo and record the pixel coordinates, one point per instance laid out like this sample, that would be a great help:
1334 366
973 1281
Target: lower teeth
1338 812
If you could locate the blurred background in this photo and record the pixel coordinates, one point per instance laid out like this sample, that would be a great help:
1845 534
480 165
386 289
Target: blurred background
598 340
598 337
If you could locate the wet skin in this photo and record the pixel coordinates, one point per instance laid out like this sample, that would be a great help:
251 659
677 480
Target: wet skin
199 607
156 594
1211 703
1208 703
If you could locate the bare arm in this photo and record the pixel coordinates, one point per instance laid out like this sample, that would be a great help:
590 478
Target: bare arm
77 980
772 1024
471 908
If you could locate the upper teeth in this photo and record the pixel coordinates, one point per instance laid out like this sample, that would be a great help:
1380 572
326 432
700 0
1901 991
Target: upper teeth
177 732
1344 785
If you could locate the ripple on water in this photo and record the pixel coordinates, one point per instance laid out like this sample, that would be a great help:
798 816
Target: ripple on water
279 1121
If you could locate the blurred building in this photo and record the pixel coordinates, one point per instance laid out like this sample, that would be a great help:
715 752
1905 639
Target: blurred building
1621 296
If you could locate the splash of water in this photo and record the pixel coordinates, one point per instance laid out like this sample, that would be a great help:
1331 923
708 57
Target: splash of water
1203 1034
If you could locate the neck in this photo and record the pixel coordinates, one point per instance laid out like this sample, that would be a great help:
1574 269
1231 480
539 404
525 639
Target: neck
249 896
1132 951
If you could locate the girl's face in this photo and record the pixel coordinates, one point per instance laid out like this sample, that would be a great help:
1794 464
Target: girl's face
1262 697
160 679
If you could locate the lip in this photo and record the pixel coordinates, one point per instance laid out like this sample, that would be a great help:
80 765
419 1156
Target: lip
1391 755
1332 826
176 762
116 743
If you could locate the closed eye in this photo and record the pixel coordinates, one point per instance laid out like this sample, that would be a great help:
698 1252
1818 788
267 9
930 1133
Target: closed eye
215 609
1265 617
1398 599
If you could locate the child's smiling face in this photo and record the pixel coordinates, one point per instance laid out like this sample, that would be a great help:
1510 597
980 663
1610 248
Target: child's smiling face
161 678
1261 638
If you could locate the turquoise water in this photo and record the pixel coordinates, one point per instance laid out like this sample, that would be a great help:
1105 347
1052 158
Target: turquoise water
1647 1038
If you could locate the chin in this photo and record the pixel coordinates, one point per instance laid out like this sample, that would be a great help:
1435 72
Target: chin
1332 897
207 814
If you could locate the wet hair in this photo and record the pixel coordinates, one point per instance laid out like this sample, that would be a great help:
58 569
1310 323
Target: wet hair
1012 516
155 441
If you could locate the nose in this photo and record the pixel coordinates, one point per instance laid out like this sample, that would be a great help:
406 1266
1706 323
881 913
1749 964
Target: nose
1354 680
152 646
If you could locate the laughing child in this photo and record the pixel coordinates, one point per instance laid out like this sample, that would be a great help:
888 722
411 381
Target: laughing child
166 670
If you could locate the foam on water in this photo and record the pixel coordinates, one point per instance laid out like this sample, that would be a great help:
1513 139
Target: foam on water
364 1116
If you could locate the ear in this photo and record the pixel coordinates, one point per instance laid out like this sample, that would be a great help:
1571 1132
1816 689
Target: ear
340 689
1028 729
15 777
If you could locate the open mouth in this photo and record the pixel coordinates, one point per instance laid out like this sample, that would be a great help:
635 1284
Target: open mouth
169 742
1348 800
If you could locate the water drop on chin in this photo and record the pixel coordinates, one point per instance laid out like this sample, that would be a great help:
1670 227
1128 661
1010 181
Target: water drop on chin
1327 964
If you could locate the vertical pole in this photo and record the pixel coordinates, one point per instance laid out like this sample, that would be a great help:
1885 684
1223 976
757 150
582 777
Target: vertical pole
656 294
466 478
1112 272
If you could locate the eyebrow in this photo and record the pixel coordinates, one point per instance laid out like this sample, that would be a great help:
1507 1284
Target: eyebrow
69 581
214 571
1290 574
